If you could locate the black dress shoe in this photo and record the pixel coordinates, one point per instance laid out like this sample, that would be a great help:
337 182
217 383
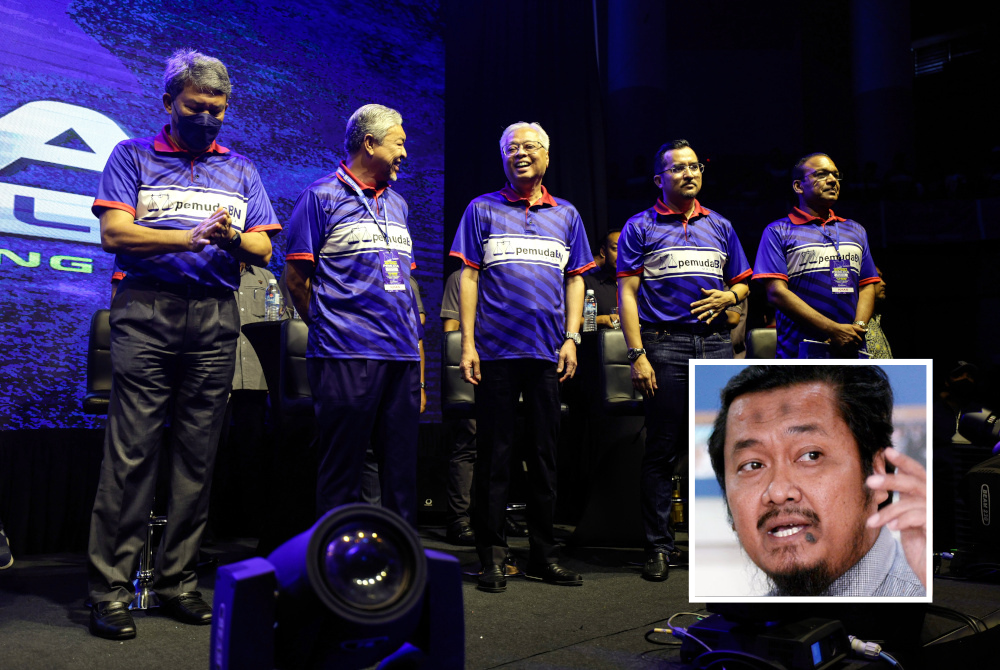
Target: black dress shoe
112 621
492 579
512 528
462 535
189 608
553 573
656 568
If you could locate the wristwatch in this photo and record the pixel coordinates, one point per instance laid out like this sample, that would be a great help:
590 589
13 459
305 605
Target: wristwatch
633 354
233 242
574 336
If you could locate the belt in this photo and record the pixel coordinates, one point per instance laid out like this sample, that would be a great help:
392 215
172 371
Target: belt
190 291
678 327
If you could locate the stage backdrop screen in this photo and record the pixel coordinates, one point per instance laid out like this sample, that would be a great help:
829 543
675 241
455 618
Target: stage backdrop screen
78 77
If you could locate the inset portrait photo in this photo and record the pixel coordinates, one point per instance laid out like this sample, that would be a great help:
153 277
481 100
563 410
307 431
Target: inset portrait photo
810 481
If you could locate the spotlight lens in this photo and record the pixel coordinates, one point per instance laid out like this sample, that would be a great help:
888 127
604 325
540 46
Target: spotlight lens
364 565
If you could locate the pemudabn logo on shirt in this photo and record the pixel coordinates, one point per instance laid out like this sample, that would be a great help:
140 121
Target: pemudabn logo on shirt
364 236
188 205
684 261
526 249
817 257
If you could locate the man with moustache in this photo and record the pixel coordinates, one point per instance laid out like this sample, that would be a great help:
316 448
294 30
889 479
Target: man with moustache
801 453
521 306
174 326
817 269
680 267
348 268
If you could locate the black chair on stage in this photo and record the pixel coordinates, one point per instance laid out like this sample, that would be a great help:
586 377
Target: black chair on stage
618 396
762 343
294 393
96 402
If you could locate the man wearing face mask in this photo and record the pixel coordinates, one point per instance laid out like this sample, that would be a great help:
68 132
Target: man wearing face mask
181 213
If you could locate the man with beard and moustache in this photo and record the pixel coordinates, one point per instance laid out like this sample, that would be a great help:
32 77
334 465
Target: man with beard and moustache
521 298
802 454
348 266
817 269
680 267
174 326
878 345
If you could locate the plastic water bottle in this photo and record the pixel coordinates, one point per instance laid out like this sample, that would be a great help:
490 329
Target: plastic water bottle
589 312
273 301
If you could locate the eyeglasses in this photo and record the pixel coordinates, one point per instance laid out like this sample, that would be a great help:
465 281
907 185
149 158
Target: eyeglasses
695 168
823 175
529 148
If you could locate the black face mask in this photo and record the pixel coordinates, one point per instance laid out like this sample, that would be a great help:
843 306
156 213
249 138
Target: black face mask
198 130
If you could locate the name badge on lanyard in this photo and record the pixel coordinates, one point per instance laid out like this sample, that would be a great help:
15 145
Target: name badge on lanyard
840 269
840 276
392 276
392 272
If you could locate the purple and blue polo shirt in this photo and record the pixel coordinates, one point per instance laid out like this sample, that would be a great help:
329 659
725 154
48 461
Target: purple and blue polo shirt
162 186
523 252
352 313
677 257
799 249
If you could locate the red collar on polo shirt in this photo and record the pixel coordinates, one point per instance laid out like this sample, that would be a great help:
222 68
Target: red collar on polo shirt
364 186
798 217
665 209
513 196
164 143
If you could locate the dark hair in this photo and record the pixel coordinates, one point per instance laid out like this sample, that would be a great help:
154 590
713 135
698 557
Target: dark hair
864 398
659 165
607 237
798 173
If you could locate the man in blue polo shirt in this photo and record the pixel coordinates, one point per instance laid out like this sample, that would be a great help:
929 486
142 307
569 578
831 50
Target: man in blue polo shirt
348 265
174 325
680 266
521 304
817 269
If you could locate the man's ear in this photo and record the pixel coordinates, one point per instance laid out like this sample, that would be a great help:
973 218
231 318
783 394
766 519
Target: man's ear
878 468
797 186
658 180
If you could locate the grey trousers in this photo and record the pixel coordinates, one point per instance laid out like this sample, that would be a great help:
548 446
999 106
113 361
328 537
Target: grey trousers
172 357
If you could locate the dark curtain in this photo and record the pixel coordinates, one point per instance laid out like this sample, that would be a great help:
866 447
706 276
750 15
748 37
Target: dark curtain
520 60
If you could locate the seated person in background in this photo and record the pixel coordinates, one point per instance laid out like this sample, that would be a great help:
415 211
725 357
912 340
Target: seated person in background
604 281
801 453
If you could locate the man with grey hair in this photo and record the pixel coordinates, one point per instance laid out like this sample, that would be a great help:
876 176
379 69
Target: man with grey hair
348 264
521 301
174 325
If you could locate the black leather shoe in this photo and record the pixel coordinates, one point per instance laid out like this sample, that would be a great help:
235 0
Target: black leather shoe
512 528
112 621
492 579
189 608
553 573
656 568
462 535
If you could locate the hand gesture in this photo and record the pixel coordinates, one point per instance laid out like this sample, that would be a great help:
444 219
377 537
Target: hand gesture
212 230
908 515
712 305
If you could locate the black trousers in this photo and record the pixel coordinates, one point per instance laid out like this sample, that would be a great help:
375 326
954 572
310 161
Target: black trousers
496 411
461 464
360 403
172 358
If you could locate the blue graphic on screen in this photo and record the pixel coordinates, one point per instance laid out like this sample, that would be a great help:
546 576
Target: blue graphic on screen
79 77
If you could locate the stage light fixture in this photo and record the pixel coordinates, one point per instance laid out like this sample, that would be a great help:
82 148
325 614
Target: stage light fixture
353 590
